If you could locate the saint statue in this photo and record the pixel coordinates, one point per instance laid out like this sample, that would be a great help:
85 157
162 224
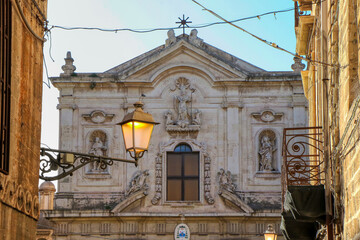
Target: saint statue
97 149
266 154
182 100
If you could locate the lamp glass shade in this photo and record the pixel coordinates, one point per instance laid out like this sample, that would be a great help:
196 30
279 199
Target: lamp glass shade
270 236
137 135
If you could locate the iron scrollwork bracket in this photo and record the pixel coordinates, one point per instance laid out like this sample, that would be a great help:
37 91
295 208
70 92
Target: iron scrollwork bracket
68 162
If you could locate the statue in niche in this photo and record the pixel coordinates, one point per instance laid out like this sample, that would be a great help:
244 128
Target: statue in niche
225 180
266 152
98 148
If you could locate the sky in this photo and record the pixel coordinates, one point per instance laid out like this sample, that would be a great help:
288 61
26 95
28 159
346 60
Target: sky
96 51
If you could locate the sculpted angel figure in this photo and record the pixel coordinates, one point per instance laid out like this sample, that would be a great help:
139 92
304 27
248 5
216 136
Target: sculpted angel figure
225 180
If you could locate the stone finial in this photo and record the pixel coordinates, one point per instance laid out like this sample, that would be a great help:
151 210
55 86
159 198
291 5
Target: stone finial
193 38
171 38
297 66
68 68
47 190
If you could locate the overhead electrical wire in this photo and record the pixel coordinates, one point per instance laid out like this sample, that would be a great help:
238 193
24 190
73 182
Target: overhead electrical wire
274 45
168 28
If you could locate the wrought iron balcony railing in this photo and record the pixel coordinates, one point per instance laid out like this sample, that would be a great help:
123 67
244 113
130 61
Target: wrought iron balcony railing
303 157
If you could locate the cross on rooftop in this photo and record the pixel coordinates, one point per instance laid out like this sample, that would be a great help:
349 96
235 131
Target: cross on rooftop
183 23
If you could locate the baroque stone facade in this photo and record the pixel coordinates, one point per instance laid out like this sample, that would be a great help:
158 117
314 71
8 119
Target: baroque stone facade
225 113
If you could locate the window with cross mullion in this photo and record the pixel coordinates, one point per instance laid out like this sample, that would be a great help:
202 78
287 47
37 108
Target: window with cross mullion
182 174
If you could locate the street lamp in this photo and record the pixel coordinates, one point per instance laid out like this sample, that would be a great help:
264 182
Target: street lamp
270 233
136 127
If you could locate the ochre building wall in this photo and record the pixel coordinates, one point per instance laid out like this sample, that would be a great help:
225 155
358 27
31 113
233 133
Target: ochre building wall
19 206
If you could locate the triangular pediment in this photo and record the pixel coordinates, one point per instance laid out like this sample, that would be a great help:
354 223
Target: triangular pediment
130 204
184 51
232 201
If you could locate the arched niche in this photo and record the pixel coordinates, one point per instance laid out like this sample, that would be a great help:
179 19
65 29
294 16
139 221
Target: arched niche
268 151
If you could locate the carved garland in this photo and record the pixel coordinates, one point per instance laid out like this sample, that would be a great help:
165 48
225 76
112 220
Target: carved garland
18 197
159 171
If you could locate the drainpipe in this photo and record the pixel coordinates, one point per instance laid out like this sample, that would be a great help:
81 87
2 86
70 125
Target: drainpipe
327 161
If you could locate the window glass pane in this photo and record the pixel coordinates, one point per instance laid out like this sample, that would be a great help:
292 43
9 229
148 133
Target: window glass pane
173 165
191 190
174 190
182 148
191 162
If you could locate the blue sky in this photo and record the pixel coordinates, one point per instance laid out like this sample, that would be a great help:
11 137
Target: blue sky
95 51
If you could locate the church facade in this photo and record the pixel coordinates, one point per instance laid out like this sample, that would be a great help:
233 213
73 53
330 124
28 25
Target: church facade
214 161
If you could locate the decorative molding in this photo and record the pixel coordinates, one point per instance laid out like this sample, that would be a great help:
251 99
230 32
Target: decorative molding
158 179
159 171
19 197
72 106
98 116
185 119
227 190
267 116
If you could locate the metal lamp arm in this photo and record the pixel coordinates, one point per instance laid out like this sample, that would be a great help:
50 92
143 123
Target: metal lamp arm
54 159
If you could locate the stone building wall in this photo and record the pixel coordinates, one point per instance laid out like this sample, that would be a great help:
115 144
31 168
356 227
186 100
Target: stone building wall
334 42
19 206
229 112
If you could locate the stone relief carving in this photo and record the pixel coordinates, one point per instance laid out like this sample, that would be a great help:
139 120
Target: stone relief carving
171 38
15 195
98 147
98 116
227 191
158 179
185 119
159 171
267 148
225 181
194 39
138 183
267 116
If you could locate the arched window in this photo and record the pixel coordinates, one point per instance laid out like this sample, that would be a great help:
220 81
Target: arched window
182 174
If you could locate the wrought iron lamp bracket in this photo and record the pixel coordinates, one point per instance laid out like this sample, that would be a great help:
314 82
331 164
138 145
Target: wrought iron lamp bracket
68 162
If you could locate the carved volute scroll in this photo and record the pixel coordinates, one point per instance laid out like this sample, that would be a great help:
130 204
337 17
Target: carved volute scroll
266 152
183 118
98 146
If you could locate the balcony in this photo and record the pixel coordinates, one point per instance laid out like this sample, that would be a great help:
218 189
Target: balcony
303 26
303 177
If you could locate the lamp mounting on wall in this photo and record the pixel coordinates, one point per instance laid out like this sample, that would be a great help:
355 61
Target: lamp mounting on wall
136 127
